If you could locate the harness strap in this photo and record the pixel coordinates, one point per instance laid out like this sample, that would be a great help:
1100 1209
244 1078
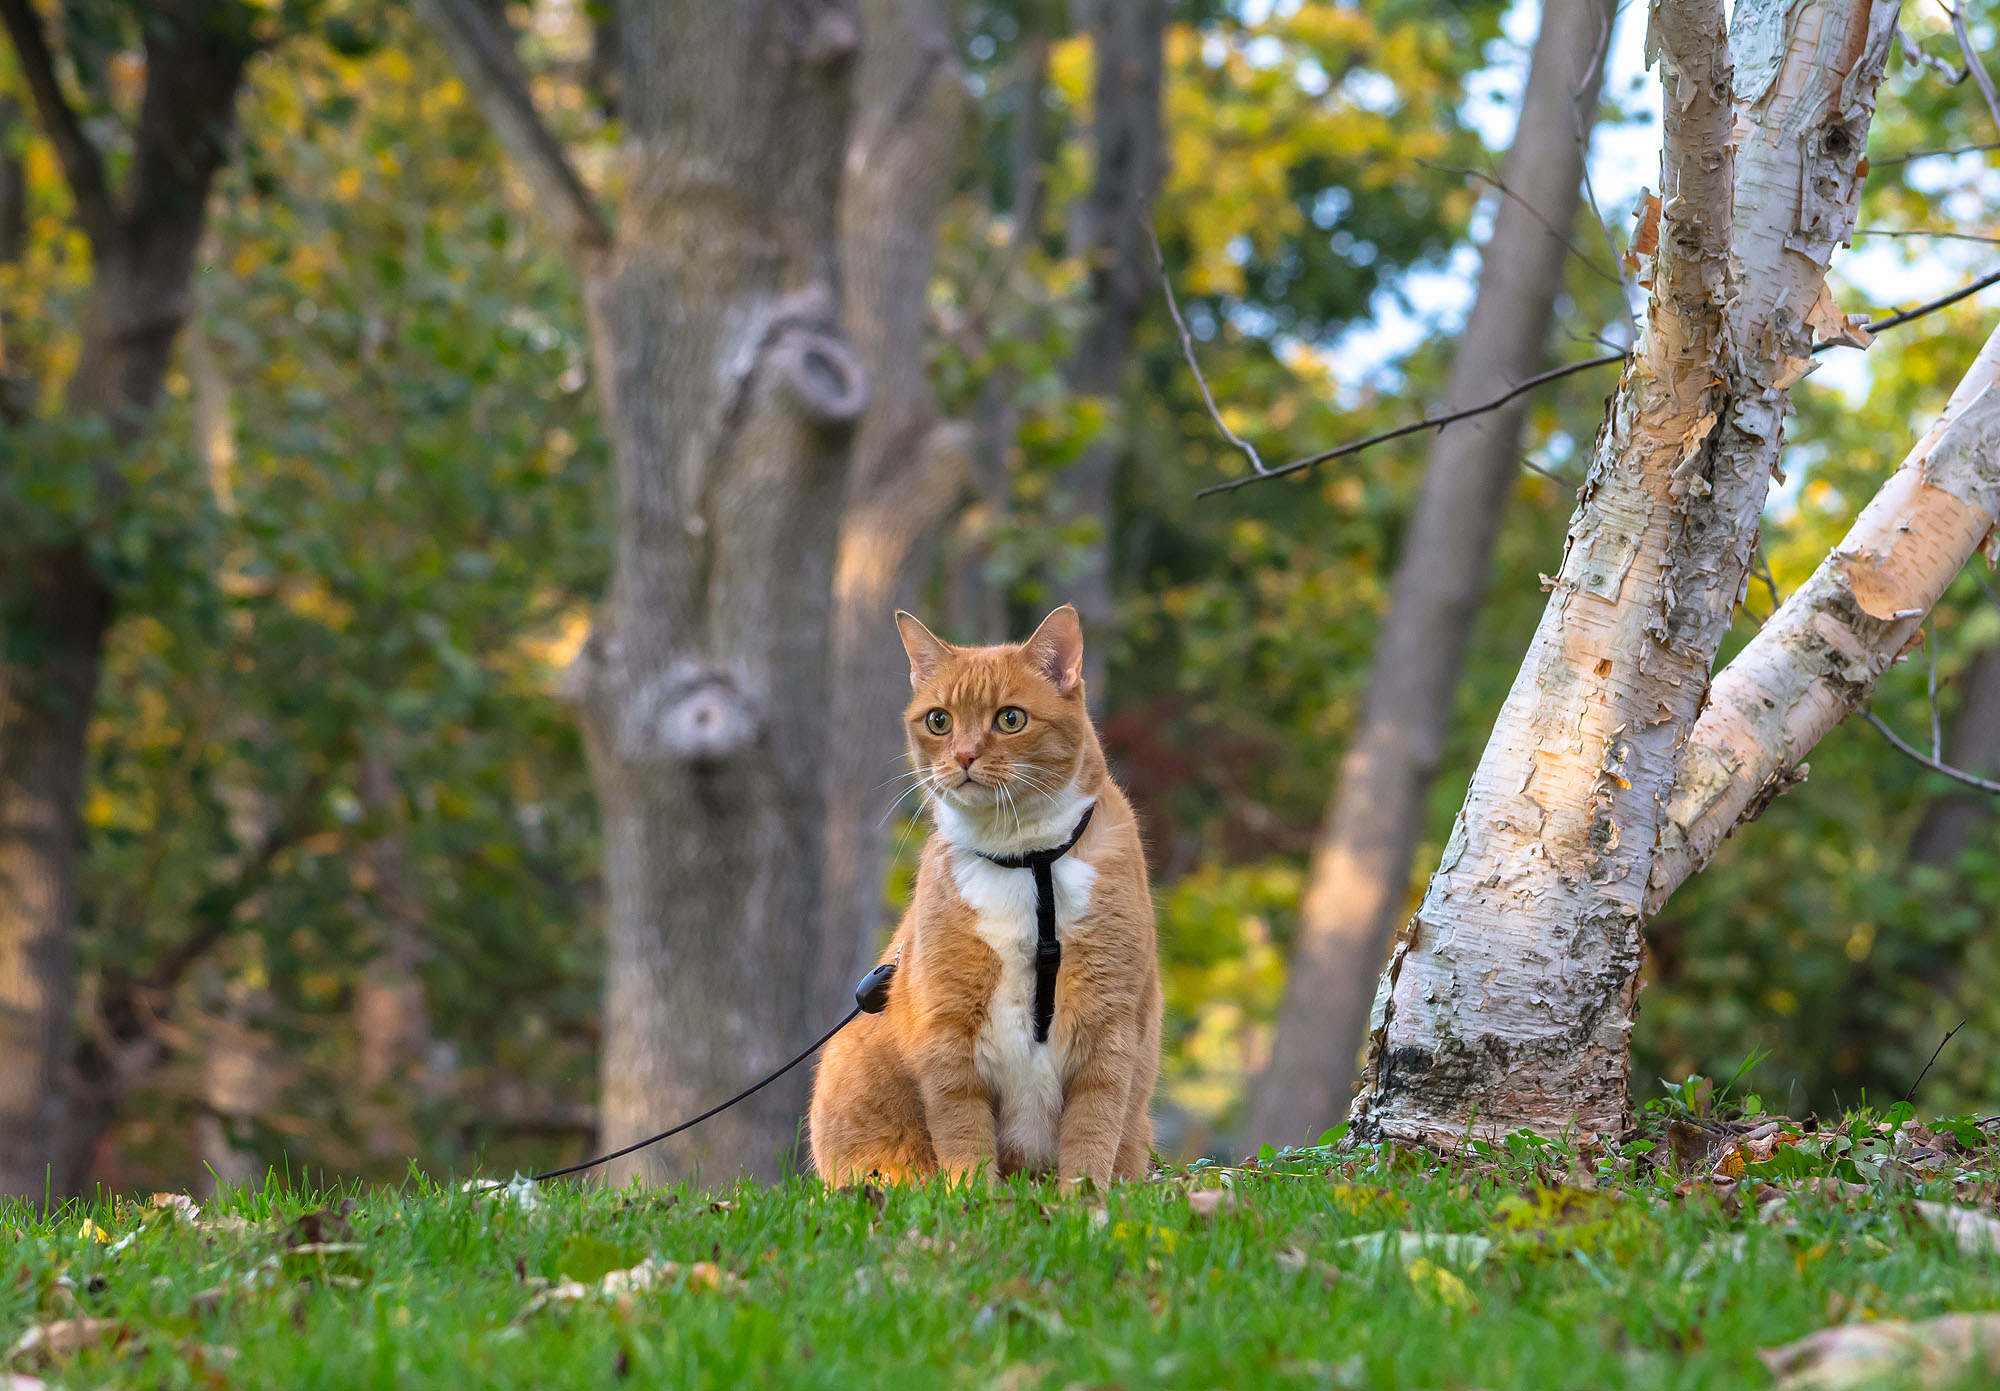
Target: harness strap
1048 951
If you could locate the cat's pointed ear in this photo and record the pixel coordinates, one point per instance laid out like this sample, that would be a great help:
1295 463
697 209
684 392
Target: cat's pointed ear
927 650
1056 649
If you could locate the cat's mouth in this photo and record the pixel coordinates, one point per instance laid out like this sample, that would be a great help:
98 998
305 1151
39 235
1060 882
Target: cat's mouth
968 787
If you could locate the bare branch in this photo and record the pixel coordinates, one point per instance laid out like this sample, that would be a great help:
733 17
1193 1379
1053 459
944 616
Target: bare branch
1569 369
1554 373
1931 307
1187 350
485 59
1923 232
1937 721
1915 55
1499 186
1893 160
1903 747
1973 63
82 165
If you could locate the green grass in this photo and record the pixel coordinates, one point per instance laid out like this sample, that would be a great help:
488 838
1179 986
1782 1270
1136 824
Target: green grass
1630 1285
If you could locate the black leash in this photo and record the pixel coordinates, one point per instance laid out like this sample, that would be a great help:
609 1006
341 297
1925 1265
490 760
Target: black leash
1048 951
870 997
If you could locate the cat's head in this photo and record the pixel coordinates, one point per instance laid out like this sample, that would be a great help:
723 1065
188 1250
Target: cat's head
1002 730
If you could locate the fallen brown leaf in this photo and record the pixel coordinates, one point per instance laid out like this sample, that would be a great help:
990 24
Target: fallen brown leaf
1212 1202
49 1342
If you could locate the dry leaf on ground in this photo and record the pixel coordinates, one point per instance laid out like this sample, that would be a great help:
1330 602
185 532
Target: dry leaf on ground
47 1342
1930 1352
1211 1202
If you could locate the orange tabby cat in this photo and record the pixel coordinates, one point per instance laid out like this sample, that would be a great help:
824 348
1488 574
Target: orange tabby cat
950 1078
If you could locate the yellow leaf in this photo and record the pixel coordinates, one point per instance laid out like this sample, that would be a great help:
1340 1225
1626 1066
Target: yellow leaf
1437 1285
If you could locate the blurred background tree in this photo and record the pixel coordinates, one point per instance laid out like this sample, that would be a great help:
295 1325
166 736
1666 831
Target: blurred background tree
338 895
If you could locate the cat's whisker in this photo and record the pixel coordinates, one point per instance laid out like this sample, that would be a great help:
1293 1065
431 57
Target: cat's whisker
924 784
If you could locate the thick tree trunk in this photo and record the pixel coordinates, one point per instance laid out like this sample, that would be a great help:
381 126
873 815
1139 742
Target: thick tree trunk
1817 658
56 613
54 606
908 468
1510 994
1361 865
1108 233
730 397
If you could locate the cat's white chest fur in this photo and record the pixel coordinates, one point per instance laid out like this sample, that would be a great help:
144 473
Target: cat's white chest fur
1024 1077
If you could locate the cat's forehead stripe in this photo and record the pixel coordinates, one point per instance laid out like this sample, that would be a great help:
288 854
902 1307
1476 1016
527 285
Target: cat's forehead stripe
979 676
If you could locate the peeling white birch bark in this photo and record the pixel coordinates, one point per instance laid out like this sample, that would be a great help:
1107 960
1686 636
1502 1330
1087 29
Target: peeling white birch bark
1508 999
1817 659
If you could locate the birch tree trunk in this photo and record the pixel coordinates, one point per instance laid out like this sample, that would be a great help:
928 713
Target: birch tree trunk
730 397
909 468
1510 995
55 605
1361 865
1815 661
1108 233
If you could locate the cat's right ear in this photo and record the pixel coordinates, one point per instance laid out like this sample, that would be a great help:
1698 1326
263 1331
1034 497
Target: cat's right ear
927 650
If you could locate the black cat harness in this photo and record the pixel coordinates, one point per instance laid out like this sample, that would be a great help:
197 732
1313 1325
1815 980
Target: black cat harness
1048 951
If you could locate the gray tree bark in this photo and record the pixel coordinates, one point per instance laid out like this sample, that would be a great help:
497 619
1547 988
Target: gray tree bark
1108 233
909 468
55 606
730 396
1509 997
1361 866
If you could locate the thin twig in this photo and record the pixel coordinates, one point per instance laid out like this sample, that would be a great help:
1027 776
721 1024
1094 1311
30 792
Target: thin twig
1893 160
1914 54
1527 384
1187 350
1500 186
1973 63
1762 570
1932 307
1911 751
1930 683
1934 1057
1923 232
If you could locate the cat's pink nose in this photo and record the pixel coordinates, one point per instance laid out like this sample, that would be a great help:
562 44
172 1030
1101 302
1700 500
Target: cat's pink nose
964 757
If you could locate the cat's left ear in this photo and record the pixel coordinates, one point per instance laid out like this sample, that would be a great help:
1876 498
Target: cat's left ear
926 649
1056 649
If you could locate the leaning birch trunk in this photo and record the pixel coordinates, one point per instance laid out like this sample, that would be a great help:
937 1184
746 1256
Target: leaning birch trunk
1361 866
1510 995
1816 660
908 469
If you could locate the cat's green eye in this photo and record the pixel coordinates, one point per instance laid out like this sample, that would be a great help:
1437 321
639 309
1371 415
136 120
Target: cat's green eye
1011 720
938 721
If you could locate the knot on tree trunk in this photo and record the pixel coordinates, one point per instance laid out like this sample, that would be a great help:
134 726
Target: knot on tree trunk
822 375
697 711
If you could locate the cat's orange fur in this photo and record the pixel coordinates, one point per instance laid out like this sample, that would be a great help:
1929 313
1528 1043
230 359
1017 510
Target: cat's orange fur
948 1078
